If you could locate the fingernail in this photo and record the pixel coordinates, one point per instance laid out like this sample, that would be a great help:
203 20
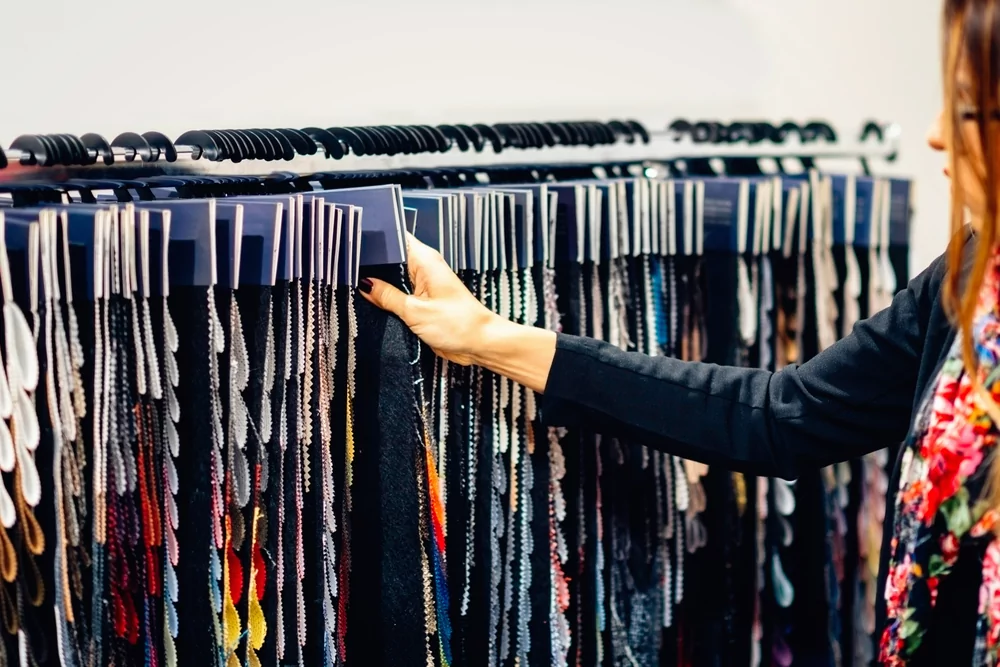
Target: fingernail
366 285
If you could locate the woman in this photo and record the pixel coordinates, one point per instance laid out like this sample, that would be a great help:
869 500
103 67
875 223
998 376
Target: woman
925 370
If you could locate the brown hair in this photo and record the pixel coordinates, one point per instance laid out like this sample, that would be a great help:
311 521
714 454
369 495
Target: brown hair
972 42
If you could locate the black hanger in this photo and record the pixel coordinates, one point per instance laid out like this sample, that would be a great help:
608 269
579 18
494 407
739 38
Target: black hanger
275 146
490 135
592 133
165 182
528 138
300 142
64 149
622 130
598 132
456 136
569 172
443 143
136 143
605 135
577 137
548 136
414 143
507 174
348 138
524 138
252 148
699 166
56 150
560 132
399 140
871 127
222 186
384 142
681 129
391 137
509 137
763 131
77 151
417 142
234 150
39 150
230 147
205 144
32 193
609 136
638 129
160 146
255 147
740 131
186 186
331 144
707 132
818 129
474 136
420 141
283 182
122 188
787 128
743 166
575 134
428 142
534 138
428 178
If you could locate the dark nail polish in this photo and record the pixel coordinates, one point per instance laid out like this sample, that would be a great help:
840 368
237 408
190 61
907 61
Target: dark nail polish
366 286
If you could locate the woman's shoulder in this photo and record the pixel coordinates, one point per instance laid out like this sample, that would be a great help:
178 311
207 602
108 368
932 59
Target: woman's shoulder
928 283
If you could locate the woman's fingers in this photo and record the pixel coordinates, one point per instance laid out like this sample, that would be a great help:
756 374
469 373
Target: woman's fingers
385 296
412 244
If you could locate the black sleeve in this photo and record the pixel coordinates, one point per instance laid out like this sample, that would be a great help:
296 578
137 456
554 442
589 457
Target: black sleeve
853 398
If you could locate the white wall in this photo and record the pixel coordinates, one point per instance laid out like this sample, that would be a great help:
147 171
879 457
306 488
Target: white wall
112 65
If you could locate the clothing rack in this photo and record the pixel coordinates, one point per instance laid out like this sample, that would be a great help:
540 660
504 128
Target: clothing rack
418 512
285 144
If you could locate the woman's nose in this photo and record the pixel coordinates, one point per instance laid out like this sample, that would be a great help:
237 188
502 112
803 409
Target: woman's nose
935 136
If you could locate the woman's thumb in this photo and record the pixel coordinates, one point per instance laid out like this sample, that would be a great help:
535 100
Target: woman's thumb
385 296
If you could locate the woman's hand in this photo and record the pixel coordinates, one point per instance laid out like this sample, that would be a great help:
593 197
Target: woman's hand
441 311
449 319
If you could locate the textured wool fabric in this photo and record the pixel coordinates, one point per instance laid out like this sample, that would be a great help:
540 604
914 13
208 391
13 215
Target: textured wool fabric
289 648
460 414
85 318
271 495
716 573
386 622
253 302
540 592
196 640
312 514
849 584
37 625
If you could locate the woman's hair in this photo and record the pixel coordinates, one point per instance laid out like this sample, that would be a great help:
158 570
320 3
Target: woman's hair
972 43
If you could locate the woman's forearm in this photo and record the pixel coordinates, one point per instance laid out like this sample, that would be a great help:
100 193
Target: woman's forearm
522 353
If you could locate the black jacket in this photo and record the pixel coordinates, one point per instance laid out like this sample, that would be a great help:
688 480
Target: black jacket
855 397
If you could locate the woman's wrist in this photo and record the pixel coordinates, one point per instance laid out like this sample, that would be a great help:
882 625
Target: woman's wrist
494 332
516 351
